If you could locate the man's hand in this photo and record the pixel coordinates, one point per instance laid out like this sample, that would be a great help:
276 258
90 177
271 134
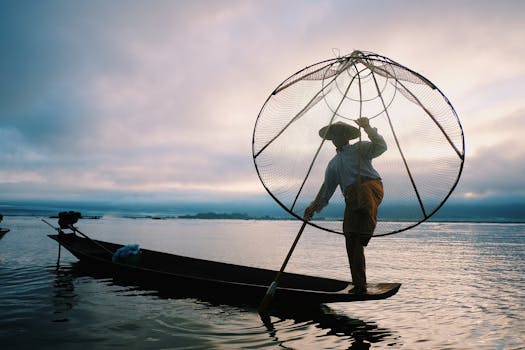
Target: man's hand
363 122
309 211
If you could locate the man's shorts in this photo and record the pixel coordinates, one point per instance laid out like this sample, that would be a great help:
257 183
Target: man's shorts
362 201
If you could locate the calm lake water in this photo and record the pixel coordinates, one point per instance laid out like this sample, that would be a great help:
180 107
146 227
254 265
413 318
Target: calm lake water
463 288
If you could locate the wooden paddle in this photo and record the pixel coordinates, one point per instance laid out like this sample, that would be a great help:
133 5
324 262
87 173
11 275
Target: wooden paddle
270 293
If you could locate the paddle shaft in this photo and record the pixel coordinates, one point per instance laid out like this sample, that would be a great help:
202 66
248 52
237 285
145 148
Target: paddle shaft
268 297
292 248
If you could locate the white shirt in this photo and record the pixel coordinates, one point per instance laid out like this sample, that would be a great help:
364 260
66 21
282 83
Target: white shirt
343 169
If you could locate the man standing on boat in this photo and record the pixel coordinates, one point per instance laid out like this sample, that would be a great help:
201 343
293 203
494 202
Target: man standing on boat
351 169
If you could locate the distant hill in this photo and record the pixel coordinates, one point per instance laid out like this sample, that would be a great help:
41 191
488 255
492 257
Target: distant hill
211 215
480 211
224 216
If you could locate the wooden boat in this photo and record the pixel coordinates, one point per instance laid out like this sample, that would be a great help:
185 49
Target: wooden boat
3 231
215 281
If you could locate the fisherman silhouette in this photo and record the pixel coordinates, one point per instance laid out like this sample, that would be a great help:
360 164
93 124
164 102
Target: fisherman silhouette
351 169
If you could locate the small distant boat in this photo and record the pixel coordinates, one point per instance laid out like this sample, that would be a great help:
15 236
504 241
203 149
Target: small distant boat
190 277
3 231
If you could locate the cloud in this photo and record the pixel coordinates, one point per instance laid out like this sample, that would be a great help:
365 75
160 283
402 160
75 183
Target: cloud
163 96
502 175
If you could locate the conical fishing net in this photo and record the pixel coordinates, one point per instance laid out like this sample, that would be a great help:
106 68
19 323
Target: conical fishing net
425 154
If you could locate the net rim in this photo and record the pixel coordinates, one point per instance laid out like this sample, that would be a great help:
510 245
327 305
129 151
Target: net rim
373 57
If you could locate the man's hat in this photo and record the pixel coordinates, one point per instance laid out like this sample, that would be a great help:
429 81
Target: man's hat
348 131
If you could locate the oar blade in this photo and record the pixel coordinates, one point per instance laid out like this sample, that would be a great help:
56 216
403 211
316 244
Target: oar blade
267 301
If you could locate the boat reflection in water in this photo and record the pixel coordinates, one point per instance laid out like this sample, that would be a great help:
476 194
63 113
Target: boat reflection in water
82 293
64 296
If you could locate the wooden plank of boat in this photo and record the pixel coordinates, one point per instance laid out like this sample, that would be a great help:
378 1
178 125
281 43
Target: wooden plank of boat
185 276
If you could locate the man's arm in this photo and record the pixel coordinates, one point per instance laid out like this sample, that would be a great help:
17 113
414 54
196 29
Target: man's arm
315 205
378 145
323 196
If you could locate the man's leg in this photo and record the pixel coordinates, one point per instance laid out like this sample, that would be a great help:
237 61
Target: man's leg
358 226
356 259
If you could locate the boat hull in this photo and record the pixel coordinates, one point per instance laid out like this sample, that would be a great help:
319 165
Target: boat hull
214 281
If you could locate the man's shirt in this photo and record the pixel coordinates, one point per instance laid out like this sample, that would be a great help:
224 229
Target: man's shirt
344 168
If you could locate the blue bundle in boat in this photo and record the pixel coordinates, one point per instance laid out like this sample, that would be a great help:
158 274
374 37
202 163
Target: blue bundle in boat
130 250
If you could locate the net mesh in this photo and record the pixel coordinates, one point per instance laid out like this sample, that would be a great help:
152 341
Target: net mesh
424 137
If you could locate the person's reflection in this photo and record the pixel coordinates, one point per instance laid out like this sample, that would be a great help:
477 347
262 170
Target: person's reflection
361 334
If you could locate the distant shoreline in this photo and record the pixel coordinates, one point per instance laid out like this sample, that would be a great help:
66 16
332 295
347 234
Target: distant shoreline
510 213
246 217
225 216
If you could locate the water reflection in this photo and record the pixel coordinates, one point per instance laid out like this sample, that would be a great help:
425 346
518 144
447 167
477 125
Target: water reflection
357 333
305 328
64 296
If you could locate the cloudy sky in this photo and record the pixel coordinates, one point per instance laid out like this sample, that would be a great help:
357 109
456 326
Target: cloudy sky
157 100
